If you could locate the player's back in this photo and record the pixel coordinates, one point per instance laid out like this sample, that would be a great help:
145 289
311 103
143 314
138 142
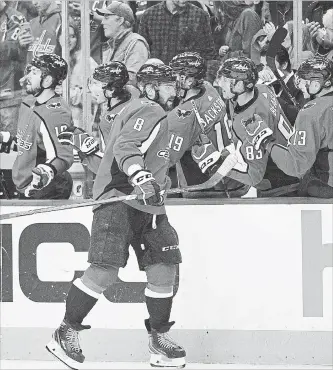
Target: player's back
139 131
314 133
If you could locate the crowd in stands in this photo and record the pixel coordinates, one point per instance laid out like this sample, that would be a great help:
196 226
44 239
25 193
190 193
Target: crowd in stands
134 31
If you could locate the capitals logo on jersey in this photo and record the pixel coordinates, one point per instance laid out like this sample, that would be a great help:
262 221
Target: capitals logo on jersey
110 117
183 113
54 105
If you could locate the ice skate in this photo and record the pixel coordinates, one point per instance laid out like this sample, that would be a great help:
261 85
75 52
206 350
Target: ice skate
164 351
65 345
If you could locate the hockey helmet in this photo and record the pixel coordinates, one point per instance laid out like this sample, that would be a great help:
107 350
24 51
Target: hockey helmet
240 69
158 73
53 65
114 75
316 68
189 64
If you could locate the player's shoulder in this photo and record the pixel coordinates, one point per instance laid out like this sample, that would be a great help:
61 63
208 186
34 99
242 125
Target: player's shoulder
147 106
28 100
57 105
209 92
14 15
318 105
135 93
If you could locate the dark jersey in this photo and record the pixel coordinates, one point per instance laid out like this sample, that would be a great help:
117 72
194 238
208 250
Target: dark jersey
252 163
311 145
109 116
139 135
37 138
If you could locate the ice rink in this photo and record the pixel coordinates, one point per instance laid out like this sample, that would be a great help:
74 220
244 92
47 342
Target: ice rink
7 364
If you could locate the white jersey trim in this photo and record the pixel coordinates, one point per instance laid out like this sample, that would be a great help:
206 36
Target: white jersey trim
147 143
48 143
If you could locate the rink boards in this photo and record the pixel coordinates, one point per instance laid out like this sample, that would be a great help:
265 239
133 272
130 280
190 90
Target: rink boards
255 284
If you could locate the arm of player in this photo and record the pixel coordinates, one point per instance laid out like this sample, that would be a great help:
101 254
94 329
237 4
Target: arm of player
136 137
300 155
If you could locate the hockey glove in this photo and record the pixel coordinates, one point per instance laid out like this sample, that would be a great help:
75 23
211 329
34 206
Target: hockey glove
7 142
42 175
222 163
258 133
146 188
80 140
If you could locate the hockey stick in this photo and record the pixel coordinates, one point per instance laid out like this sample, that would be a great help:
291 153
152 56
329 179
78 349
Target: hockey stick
202 125
210 183
273 48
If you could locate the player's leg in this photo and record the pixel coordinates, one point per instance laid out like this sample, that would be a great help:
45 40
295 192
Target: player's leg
160 262
108 251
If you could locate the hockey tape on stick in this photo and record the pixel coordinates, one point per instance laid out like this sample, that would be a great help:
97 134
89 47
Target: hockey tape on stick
214 180
273 48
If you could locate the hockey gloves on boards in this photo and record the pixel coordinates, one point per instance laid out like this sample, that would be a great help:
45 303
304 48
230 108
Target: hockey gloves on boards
146 188
80 140
7 142
211 160
42 175
258 133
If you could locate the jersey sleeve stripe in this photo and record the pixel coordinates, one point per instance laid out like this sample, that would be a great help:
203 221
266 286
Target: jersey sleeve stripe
48 143
147 143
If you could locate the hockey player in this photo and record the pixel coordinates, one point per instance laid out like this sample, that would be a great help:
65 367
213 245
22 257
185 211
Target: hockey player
135 161
237 78
191 142
108 87
310 152
39 171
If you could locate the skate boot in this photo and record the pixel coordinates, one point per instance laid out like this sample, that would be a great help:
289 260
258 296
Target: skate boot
164 351
65 344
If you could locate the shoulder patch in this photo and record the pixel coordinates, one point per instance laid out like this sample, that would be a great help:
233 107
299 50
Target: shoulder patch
110 117
309 105
55 105
183 113
210 98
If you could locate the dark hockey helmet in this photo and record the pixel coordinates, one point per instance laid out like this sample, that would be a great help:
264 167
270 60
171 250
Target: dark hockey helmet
240 69
113 74
189 64
53 65
158 73
316 68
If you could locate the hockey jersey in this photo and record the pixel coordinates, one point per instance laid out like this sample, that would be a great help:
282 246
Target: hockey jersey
139 135
311 145
251 166
109 116
37 138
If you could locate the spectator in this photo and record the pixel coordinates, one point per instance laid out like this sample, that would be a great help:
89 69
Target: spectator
315 10
260 44
281 12
76 71
242 24
175 26
123 44
12 60
44 28
307 48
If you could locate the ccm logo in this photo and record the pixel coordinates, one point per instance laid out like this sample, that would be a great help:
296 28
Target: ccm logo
169 248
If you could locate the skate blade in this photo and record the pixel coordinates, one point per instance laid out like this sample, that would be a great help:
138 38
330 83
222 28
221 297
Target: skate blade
54 348
171 363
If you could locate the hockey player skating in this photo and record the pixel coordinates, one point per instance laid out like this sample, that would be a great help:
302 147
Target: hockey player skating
135 161
237 78
197 145
39 171
309 154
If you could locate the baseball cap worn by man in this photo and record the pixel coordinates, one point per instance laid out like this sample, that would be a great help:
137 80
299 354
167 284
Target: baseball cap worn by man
120 9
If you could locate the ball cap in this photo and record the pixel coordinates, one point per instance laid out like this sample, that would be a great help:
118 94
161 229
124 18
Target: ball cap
118 8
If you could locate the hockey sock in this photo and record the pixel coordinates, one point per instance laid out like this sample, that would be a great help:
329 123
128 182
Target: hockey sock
159 311
80 300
